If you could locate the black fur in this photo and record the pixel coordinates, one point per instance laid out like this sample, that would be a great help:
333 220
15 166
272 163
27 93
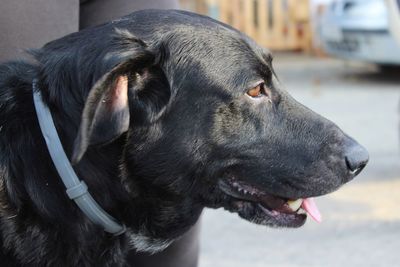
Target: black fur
191 125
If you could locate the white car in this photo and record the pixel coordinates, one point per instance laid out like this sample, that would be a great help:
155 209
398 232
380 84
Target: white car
360 30
394 18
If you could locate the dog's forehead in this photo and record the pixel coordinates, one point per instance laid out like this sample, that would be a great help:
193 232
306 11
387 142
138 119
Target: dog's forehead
222 55
200 50
215 41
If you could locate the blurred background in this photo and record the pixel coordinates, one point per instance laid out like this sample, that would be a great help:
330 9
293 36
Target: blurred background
341 59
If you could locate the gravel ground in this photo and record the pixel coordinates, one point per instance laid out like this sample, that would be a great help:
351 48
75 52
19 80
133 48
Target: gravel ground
361 224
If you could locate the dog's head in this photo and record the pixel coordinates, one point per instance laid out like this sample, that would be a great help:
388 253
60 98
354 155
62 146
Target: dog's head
207 123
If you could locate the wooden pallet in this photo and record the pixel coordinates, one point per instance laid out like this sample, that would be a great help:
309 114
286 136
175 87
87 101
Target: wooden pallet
276 24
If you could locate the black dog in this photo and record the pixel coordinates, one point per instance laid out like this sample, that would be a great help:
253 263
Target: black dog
162 113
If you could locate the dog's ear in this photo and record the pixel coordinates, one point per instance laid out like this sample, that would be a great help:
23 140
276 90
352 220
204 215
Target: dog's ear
106 112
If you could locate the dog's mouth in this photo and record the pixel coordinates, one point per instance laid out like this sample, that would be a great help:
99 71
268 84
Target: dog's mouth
260 207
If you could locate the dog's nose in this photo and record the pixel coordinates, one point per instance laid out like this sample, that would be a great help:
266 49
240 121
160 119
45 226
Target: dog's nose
356 157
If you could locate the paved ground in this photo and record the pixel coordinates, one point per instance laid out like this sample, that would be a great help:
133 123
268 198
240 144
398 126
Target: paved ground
361 224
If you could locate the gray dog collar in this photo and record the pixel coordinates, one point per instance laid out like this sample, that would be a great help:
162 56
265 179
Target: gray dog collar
75 188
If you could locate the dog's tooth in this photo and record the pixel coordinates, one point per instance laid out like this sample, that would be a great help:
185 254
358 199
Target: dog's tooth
295 204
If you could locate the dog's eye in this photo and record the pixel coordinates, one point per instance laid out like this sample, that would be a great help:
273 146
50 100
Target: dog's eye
258 91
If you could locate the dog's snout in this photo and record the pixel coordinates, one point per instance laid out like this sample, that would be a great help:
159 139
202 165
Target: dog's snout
356 157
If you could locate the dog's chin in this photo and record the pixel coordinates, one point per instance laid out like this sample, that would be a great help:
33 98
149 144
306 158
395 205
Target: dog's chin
260 207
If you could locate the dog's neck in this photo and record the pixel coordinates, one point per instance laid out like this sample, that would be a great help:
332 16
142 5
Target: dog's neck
75 188
117 188
139 238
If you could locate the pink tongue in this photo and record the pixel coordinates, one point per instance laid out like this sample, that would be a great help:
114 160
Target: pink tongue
311 208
